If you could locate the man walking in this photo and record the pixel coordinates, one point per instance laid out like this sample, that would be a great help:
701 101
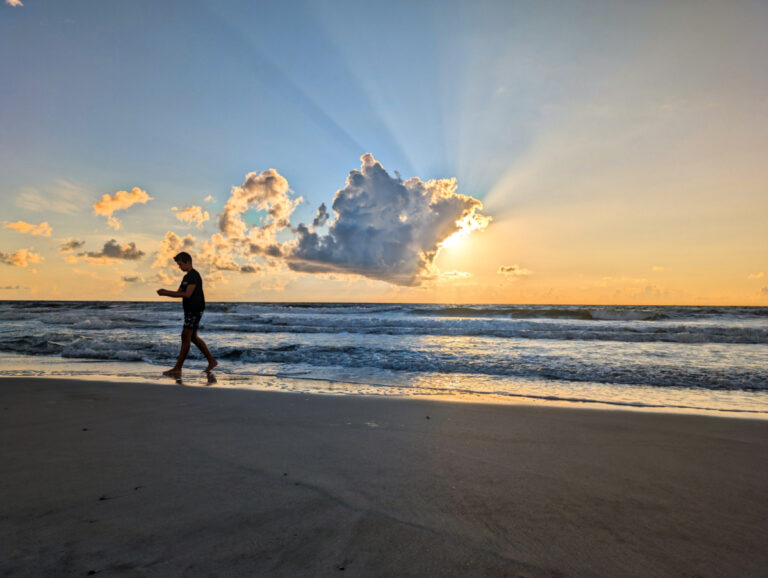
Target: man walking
193 300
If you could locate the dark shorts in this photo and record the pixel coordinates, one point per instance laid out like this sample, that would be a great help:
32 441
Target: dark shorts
192 319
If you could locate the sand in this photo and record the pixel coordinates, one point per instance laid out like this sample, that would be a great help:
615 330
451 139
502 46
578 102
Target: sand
166 480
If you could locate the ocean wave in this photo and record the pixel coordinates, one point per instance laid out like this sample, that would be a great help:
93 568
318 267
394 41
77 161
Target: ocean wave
653 368
515 312
678 333
535 366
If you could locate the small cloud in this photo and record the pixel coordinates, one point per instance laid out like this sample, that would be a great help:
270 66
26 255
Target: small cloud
759 275
71 259
193 214
166 279
70 245
14 3
658 268
454 275
250 269
513 271
651 291
14 288
120 201
209 199
322 216
113 251
172 245
21 258
133 278
43 229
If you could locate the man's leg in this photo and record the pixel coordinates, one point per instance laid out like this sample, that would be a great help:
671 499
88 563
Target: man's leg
204 350
186 338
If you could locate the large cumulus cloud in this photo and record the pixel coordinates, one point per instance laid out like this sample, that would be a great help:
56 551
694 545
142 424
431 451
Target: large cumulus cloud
379 226
385 228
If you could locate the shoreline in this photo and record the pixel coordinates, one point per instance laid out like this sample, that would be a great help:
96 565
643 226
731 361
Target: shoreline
112 477
195 377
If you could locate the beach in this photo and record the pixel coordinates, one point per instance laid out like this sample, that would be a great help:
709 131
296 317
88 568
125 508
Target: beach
162 480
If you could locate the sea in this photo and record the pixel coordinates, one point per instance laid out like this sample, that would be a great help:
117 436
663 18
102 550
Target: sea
670 359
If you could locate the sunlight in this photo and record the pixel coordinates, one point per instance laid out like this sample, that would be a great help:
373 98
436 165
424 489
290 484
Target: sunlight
454 241
470 223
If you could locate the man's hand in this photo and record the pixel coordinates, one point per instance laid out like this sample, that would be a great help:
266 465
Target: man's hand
162 292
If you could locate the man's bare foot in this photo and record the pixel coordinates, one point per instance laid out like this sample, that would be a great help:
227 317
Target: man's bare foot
173 372
211 365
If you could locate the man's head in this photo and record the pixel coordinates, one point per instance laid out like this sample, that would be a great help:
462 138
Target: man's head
184 261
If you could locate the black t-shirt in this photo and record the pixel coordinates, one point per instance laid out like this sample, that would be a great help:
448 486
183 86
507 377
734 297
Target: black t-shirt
196 302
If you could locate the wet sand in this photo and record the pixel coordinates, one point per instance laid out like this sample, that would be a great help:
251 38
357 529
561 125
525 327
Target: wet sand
166 480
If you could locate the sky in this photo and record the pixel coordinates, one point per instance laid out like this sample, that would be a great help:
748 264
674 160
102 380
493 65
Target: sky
581 152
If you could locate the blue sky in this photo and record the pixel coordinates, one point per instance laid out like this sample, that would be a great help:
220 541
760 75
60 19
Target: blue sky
103 91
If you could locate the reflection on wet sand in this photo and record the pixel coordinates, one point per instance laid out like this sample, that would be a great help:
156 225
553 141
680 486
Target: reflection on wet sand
210 379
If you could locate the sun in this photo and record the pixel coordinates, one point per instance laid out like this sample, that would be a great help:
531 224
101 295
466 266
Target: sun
454 241
470 223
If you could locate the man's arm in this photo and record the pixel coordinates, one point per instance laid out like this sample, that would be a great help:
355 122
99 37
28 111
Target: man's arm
186 293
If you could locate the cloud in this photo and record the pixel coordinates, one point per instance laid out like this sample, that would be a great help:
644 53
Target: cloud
63 197
322 216
13 287
454 275
193 214
70 245
651 291
386 228
112 252
171 246
273 283
166 279
133 278
121 200
513 271
208 199
218 255
381 227
14 3
43 229
759 275
266 191
658 268
21 258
